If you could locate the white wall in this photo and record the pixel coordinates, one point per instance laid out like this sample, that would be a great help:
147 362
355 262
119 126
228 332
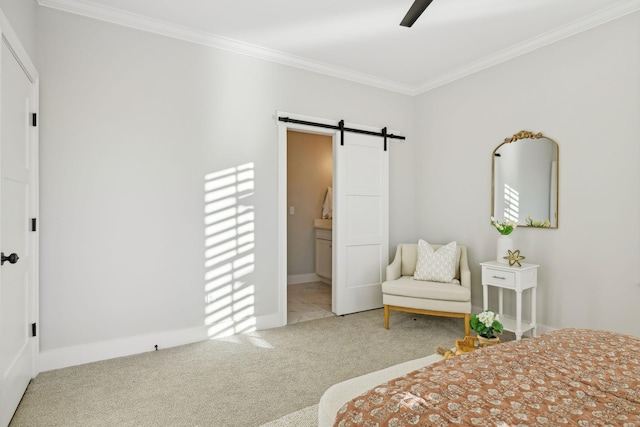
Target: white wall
133 127
584 92
137 129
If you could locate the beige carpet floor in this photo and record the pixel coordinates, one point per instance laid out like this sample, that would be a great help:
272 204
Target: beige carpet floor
245 380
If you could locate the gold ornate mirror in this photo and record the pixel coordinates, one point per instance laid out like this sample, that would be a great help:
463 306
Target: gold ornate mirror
525 180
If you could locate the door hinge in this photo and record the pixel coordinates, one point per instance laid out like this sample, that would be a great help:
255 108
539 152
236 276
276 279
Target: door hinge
34 224
33 330
34 119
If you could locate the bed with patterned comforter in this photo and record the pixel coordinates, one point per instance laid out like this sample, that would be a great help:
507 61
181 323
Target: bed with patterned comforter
566 377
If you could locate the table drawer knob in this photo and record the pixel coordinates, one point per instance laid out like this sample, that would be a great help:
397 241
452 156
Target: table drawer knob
498 277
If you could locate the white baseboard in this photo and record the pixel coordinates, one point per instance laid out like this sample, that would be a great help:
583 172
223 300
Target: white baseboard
296 279
231 327
94 352
269 321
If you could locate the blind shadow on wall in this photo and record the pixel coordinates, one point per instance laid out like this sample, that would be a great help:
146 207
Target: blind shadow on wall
229 251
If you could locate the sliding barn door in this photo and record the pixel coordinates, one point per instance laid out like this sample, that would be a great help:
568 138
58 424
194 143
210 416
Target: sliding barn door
361 222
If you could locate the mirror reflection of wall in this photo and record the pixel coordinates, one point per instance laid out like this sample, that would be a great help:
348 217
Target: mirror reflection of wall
525 180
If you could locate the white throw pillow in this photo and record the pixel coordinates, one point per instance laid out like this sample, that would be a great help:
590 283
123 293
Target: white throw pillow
436 266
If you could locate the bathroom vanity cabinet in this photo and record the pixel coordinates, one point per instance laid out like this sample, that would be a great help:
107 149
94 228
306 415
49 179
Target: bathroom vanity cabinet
323 253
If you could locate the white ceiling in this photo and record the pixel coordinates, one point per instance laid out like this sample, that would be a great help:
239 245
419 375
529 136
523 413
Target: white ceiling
362 40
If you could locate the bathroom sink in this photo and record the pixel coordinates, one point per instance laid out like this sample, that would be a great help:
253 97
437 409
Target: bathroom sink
322 223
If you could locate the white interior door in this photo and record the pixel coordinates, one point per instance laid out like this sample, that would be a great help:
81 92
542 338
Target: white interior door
16 287
361 223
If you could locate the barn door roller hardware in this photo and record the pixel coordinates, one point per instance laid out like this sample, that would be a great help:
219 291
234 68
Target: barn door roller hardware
383 133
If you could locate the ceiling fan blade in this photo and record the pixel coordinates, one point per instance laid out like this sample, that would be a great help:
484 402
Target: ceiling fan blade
414 12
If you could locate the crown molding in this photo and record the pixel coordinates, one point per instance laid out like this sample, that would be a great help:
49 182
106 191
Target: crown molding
590 21
143 23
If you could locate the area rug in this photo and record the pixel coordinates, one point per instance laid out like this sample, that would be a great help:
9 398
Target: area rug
307 417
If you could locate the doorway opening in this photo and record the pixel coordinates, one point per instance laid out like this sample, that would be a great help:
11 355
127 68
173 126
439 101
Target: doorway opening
360 223
309 225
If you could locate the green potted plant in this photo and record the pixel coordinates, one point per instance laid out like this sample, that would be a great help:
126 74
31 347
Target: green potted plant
487 325
506 227
504 243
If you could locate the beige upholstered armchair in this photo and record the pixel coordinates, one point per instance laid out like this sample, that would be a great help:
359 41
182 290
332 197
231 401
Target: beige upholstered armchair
401 292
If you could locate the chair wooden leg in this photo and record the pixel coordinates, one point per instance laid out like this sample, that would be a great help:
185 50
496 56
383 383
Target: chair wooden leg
467 327
386 316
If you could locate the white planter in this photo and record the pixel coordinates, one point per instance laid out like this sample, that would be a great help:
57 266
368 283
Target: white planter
504 245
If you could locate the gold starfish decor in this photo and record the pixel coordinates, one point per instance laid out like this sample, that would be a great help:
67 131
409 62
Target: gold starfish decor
514 258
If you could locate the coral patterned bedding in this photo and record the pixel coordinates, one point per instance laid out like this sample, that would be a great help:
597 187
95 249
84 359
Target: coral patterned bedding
566 377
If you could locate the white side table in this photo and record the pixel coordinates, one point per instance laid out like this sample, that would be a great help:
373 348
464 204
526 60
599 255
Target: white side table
514 278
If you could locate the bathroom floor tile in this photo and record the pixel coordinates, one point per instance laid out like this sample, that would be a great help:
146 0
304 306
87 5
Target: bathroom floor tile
308 301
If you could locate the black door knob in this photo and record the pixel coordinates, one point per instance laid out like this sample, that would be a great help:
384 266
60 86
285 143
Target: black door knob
13 258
